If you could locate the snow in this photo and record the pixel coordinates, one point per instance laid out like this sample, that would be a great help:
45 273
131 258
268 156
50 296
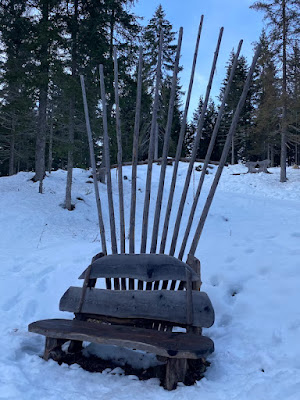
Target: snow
249 253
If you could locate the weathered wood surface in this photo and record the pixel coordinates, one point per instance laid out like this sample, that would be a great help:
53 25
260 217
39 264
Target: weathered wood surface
188 227
225 152
167 137
251 167
195 148
179 145
146 267
135 147
175 372
257 166
166 305
151 148
263 165
107 164
167 344
93 164
120 156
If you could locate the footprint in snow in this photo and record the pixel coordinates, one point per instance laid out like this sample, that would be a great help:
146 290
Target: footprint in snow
296 234
225 320
234 290
249 251
30 309
9 304
215 280
229 259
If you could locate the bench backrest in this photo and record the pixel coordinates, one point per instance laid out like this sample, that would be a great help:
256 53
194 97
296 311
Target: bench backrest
148 290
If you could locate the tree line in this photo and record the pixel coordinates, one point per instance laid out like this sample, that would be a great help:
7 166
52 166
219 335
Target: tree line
47 44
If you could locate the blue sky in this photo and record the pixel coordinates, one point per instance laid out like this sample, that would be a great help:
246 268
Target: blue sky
238 20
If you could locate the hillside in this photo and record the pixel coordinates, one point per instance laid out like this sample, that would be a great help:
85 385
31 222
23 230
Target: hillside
249 253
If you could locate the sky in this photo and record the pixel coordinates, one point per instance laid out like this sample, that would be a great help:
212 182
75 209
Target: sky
238 20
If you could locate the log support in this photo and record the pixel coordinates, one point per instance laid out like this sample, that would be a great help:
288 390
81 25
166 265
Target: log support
175 372
75 346
53 348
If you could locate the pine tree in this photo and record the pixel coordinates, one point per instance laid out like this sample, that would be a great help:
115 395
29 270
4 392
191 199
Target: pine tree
240 141
45 46
208 127
17 115
151 45
150 40
283 22
265 136
294 101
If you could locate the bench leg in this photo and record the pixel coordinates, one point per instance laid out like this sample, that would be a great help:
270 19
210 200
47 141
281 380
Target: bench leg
175 372
75 346
53 348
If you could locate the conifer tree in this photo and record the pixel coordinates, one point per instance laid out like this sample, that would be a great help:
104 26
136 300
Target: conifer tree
283 22
46 40
240 141
208 127
150 39
294 100
17 107
265 137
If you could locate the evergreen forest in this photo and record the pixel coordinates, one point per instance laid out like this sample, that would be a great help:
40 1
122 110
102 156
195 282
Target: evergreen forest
47 44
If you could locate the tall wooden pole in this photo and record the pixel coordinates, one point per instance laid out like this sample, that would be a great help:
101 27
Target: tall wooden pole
151 149
209 151
107 163
135 153
179 145
93 164
224 154
166 147
119 143
195 148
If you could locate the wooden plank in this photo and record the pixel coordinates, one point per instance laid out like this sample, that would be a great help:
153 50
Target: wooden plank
119 143
179 145
167 137
107 164
195 148
151 149
93 164
145 267
167 344
135 156
189 299
163 305
209 152
224 155
175 372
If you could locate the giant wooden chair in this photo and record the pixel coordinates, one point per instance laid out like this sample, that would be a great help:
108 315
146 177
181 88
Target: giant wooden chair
149 290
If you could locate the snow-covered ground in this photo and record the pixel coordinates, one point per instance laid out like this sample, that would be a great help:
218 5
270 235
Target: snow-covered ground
250 256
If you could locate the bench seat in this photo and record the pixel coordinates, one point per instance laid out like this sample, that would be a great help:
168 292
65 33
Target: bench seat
166 344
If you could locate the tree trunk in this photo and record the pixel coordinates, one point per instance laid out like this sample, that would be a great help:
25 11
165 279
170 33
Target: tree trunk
156 142
50 152
284 98
11 169
43 94
272 155
232 150
68 202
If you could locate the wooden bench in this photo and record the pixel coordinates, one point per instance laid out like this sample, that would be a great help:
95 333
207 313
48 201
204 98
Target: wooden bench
258 166
146 296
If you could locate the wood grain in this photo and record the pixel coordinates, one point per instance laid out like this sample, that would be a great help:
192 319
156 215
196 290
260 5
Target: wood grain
167 344
145 267
163 305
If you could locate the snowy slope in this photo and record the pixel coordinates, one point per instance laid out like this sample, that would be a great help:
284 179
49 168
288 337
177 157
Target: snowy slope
249 253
